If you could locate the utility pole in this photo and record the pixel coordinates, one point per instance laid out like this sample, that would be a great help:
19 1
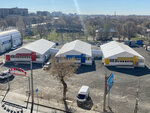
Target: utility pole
8 83
32 91
137 98
105 89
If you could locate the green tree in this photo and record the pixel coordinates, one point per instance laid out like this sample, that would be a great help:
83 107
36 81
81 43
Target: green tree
3 24
21 26
91 31
118 29
43 31
53 35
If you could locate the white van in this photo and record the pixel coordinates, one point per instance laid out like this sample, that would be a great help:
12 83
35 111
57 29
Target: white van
83 94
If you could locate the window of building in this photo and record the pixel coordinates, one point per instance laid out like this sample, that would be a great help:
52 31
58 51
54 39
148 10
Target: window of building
11 56
37 56
111 60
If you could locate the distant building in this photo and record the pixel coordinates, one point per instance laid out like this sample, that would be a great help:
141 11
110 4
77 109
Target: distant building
9 39
32 14
43 13
72 15
13 11
57 14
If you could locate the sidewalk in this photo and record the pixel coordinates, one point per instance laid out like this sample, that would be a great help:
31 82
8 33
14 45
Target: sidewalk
40 106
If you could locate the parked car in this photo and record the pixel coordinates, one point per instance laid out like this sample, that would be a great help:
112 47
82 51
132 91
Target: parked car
83 95
148 48
5 75
57 43
14 47
47 66
98 44
1 63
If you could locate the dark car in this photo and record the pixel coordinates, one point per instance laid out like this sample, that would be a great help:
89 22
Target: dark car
57 43
47 66
1 63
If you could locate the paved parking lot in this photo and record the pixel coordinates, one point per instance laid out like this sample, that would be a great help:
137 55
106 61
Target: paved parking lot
122 97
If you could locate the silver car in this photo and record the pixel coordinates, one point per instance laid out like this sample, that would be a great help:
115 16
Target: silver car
5 75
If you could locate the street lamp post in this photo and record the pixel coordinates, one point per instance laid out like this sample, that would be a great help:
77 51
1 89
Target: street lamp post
105 88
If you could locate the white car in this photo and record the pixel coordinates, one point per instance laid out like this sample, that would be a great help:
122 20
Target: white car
148 48
5 74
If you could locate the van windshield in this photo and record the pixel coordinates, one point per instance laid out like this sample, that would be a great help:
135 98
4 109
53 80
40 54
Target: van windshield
81 96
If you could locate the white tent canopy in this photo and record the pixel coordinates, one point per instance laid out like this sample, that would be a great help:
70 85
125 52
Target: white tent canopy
114 48
75 47
39 46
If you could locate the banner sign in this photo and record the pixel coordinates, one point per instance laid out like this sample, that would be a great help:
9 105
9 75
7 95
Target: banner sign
110 82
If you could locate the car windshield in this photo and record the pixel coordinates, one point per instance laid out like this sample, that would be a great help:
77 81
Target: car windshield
3 74
81 96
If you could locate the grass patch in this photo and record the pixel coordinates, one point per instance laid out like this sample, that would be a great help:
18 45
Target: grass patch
30 37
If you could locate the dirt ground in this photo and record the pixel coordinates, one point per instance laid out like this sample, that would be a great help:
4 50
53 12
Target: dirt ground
122 94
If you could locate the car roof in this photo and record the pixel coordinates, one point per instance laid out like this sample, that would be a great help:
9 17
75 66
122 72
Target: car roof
48 63
6 71
84 89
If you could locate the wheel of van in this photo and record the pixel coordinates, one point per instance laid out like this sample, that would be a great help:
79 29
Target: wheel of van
78 104
88 98
88 95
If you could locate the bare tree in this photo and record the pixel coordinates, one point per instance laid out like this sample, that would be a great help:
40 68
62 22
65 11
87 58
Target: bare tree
21 26
118 29
3 24
129 29
42 30
62 70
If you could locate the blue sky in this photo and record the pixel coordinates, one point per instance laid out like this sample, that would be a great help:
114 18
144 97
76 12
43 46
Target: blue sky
122 7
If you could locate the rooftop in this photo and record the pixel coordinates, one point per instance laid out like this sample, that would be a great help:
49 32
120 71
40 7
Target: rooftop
84 89
113 48
76 45
3 33
39 46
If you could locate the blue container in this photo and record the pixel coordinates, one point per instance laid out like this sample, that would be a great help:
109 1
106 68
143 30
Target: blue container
139 42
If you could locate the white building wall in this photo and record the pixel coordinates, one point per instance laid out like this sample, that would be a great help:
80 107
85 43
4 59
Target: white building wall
8 40
89 62
16 39
53 51
5 43
96 53
140 62
72 52
39 58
